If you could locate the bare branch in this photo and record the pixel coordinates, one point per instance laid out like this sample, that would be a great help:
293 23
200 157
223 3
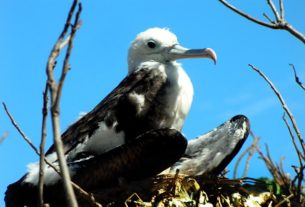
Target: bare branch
300 156
55 91
268 18
300 175
297 79
274 10
66 66
286 199
272 26
88 196
19 130
284 105
280 22
282 10
250 151
42 145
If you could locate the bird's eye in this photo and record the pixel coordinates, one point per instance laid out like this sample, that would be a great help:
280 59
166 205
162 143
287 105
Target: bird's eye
151 44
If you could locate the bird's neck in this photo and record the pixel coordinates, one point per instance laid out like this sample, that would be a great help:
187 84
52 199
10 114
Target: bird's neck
180 93
177 96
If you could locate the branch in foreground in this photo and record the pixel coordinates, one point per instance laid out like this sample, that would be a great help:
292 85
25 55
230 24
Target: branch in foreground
285 107
42 145
19 130
279 23
55 93
87 196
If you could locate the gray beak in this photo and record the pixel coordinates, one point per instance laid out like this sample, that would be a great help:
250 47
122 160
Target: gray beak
179 52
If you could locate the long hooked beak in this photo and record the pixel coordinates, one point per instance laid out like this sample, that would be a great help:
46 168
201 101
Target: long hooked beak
179 52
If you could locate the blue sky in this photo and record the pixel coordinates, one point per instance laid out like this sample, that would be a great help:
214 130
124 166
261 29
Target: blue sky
29 29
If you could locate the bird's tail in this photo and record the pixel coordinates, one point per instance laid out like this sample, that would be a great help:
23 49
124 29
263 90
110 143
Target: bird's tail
20 194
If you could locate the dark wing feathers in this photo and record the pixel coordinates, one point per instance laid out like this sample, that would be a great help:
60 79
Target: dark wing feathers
210 153
116 103
138 159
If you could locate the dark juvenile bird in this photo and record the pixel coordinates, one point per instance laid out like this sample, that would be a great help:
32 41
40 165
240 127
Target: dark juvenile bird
210 153
145 111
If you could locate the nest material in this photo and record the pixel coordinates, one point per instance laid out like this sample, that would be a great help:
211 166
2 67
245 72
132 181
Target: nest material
184 191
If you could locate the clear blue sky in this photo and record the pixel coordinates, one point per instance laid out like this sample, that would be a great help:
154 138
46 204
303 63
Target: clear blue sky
29 29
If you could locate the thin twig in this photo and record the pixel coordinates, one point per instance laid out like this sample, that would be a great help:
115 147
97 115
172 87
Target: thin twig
297 79
88 196
282 10
286 199
280 23
272 26
66 66
274 10
300 156
19 130
300 175
250 151
268 18
42 145
284 105
55 92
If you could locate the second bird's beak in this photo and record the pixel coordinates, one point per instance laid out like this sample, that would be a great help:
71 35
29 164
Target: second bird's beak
179 52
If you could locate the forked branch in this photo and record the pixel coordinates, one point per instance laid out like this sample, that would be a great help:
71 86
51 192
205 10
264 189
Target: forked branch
55 93
285 107
88 196
278 23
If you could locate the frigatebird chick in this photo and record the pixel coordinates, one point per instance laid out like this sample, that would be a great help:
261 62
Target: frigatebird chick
209 154
152 101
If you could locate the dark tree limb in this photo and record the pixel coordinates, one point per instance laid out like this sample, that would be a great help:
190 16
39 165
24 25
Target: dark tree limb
278 23
296 77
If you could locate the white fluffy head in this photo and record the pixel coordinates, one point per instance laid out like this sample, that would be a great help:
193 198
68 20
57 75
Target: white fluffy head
150 45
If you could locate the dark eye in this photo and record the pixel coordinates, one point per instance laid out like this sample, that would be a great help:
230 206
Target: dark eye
151 44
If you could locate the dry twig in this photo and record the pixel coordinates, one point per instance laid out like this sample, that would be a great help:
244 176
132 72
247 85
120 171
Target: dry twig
300 173
297 79
278 23
87 196
19 129
285 107
55 93
42 145
250 152
293 140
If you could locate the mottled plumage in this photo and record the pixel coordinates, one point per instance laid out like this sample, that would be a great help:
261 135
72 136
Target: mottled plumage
135 131
210 153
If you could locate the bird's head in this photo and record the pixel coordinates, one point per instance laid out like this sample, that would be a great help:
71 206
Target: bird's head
161 46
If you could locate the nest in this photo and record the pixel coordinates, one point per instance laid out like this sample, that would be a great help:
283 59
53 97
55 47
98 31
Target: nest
185 191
